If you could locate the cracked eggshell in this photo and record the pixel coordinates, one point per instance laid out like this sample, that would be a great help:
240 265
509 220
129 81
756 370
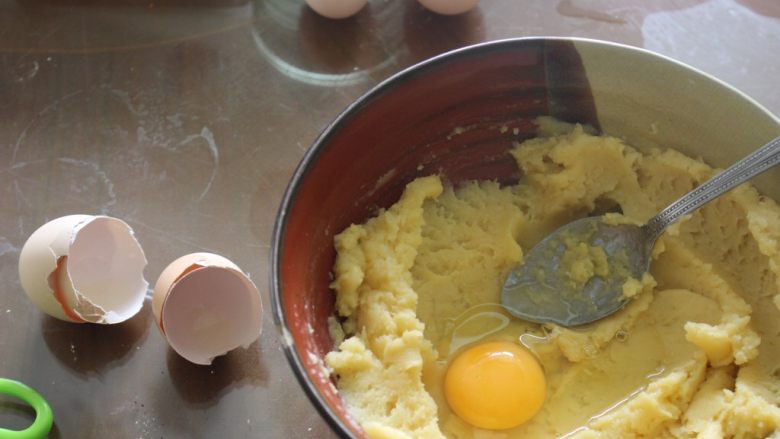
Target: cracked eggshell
84 268
205 306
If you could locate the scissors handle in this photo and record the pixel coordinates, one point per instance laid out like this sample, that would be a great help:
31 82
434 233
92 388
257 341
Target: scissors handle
43 416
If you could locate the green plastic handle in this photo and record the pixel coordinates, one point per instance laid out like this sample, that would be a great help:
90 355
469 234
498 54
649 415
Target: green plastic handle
43 416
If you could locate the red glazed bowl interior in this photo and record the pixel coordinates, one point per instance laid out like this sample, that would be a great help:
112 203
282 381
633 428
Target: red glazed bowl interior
402 129
456 115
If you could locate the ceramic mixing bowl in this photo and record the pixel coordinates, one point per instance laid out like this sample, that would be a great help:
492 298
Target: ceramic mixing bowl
457 115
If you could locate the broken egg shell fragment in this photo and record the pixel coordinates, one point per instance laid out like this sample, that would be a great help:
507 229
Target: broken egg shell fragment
84 268
205 306
38 262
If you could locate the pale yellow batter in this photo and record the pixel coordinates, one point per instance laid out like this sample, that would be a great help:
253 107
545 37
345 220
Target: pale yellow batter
696 353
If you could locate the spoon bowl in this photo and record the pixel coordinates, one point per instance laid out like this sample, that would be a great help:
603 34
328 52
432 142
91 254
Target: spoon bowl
559 281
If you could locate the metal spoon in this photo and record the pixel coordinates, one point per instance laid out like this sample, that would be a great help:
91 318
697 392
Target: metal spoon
541 289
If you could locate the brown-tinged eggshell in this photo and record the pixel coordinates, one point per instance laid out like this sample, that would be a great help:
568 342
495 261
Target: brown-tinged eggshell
205 306
84 268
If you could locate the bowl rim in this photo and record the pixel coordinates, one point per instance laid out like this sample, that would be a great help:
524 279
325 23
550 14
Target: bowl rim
321 143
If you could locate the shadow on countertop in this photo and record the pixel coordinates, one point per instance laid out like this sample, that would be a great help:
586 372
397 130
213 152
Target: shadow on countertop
202 386
89 348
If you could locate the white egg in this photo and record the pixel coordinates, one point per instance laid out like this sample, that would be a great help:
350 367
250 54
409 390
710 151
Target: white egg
205 306
84 268
336 8
449 7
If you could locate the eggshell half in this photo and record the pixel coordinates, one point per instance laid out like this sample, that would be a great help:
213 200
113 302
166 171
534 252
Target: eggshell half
84 268
205 306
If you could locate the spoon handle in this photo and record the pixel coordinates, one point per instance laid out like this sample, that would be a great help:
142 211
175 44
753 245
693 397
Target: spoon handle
755 163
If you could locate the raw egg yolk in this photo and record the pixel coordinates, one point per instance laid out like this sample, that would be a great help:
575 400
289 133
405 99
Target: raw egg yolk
495 385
